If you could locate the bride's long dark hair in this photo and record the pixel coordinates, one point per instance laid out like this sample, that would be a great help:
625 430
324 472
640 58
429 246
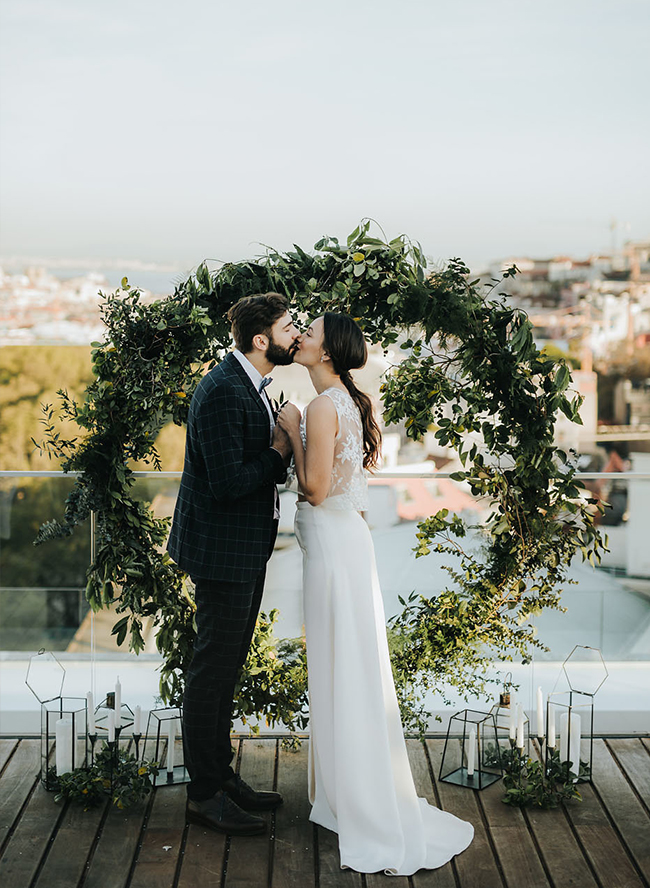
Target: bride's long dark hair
344 342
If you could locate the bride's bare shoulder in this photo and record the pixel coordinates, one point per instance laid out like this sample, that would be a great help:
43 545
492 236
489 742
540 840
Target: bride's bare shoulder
321 409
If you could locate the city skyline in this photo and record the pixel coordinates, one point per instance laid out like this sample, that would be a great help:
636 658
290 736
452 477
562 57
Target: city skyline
169 135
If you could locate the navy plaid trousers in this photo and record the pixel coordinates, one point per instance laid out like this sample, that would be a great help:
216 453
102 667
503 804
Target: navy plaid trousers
226 614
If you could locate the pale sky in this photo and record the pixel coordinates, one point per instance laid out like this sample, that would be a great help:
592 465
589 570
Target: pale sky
178 131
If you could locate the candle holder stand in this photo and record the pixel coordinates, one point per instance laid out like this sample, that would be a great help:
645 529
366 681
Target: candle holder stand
166 726
501 712
64 719
456 766
101 716
569 746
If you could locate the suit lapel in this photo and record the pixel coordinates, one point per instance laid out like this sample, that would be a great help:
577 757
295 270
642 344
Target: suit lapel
234 365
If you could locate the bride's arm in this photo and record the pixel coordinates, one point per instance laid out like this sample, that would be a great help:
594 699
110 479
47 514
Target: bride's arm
313 465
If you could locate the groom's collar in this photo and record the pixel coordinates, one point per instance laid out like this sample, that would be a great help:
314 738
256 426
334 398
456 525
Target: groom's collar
251 371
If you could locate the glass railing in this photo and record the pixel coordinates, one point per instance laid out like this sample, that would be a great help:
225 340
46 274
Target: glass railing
42 600
43 606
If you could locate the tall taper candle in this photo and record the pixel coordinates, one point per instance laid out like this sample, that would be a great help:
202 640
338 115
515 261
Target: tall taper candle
512 717
111 726
90 703
540 713
550 740
137 719
520 726
118 703
471 752
570 749
171 736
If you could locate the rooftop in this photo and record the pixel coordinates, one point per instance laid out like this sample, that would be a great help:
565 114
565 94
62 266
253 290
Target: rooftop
600 842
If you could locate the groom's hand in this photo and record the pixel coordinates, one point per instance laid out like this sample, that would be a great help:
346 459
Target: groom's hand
289 419
282 444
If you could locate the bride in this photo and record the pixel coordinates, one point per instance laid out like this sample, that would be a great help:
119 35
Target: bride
360 783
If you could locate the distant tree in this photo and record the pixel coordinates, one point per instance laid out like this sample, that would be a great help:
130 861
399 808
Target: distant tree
31 375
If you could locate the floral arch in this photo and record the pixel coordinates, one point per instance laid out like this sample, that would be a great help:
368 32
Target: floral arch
470 366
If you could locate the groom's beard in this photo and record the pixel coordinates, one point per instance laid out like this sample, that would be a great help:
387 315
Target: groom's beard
280 356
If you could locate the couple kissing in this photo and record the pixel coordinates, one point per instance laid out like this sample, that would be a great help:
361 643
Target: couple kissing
225 523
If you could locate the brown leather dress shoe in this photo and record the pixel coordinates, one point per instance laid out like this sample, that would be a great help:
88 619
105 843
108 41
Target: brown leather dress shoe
224 815
248 798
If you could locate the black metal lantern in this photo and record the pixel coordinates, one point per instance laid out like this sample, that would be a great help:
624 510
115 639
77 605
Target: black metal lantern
471 756
569 738
63 719
166 725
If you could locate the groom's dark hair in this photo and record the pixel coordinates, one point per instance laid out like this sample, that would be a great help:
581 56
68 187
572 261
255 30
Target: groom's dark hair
253 315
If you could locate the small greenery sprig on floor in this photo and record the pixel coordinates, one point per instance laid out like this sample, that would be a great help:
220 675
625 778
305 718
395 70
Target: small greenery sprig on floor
529 784
471 371
116 775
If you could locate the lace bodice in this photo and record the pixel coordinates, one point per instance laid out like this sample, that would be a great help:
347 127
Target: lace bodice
349 487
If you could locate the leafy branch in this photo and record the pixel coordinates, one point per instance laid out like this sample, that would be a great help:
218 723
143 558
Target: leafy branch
472 374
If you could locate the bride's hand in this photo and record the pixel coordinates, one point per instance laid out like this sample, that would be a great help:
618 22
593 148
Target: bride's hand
289 418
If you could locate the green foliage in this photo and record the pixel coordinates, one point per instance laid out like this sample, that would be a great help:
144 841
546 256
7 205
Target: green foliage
115 774
273 686
30 376
529 784
471 371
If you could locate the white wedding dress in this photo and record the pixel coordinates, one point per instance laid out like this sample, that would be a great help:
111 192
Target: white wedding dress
360 782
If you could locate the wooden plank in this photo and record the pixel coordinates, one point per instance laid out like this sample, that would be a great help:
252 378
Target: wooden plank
329 861
557 843
635 761
204 858
203 861
443 877
600 843
476 866
520 863
560 851
117 845
624 808
249 856
18 780
158 856
6 749
30 840
378 880
293 853
68 853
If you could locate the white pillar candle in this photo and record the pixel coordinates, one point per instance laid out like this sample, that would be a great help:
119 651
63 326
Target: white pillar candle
118 703
520 726
550 740
111 726
90 703
512 718
137 719
471 752
540 713
171 736
63 749
570 746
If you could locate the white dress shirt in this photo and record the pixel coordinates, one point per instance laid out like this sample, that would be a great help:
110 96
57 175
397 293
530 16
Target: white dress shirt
256 378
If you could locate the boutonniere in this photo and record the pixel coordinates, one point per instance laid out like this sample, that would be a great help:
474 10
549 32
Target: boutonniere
276 405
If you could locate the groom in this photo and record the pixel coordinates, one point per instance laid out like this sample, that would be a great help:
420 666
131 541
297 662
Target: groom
224 527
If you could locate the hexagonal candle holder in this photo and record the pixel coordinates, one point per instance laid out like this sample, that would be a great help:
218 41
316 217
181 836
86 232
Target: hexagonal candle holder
471 755
570 716
63 719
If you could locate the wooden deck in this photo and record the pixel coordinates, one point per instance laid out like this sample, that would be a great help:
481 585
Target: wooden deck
602 841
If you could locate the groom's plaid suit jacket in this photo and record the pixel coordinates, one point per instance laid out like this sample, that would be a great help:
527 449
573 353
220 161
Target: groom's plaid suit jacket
223 521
